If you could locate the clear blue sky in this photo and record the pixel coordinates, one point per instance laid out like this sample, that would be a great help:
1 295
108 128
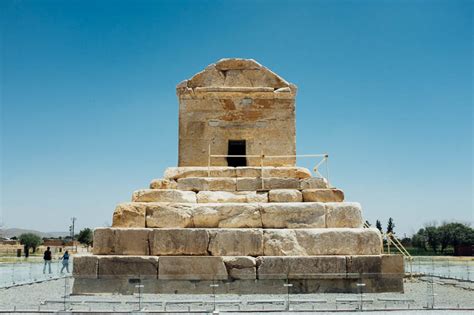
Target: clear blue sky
89 111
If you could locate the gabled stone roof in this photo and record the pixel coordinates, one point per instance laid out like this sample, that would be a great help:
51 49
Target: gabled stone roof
237 73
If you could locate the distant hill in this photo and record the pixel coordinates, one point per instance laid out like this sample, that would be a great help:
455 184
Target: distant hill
17 232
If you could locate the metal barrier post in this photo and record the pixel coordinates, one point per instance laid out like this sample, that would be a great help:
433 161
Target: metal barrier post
209 162
288 286
214 286
261 169
361 286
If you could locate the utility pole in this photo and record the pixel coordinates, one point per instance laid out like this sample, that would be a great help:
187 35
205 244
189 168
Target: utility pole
73 219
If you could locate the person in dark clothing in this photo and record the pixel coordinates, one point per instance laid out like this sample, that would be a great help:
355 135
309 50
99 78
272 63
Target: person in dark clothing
47 260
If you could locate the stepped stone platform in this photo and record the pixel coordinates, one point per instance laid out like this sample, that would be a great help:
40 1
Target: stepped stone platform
181 241
251 222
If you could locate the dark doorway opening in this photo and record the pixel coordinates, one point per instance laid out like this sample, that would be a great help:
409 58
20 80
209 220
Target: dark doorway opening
236 147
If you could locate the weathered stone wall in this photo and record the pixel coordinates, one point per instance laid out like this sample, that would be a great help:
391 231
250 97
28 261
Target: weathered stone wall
236 99
238 274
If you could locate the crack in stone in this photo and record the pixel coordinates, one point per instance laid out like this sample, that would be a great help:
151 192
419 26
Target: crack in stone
260 209
150 233
209 238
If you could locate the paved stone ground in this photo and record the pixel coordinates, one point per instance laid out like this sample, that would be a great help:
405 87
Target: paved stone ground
448 294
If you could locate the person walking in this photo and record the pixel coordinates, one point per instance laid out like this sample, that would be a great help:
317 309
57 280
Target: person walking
65 259
47 260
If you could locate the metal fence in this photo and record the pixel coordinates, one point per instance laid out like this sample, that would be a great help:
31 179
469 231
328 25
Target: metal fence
436 283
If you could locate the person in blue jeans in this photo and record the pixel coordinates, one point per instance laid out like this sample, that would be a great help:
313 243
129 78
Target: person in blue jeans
65 259
47 260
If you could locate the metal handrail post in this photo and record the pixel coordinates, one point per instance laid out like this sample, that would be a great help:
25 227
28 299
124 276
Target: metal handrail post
261 169
326 158
209 162
388 243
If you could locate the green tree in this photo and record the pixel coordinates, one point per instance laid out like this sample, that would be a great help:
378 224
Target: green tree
432 237
390 226
85 236
378 225
455 234
419 239
30 240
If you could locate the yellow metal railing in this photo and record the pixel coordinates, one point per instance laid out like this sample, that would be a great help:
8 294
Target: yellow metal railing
324 161
393 240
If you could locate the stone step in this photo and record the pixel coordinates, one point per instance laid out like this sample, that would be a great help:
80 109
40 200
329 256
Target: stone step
164 195
382 268
239 215
237 242
175 173
247 183
273 195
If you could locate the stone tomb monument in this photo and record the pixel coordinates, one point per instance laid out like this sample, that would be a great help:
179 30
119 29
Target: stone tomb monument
237 224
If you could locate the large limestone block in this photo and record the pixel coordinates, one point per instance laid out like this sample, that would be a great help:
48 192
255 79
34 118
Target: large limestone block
289 172
236 215
131 241
343 214
314 183
285 195
192 268
368 265
236 78
163 183
281 243
121 241
249 184
281 183
241 267
227 196
237 64
211 76
270 171
175 173
163 215
340 241
163 195
104 241
328 241
85 266
236 242
128 266
207 183
243 274
131 214
316 267
293 215
249 171
323 195
172 242
239 262
205 215
393 265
